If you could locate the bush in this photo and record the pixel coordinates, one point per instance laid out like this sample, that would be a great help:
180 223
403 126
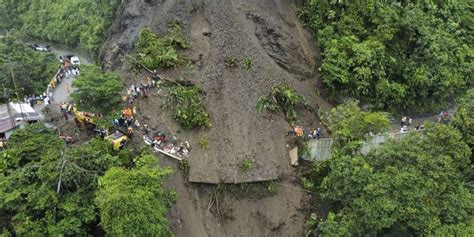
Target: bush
246 165
154 51
283 98
175 36
247 62
187 107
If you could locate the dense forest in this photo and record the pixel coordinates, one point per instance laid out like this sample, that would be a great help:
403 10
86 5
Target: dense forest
418 186
31 69
395 55
50 189
77 24
81 24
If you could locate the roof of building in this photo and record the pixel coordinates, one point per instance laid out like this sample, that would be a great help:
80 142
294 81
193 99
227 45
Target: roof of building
16 114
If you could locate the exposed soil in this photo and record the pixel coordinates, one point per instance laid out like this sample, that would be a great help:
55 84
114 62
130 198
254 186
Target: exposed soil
281 50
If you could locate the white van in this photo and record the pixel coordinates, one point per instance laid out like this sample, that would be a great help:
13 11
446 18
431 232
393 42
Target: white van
75 60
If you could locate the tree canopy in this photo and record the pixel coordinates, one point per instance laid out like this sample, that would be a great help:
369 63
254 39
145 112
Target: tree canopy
96 90
32 70
414 186
349 124
396 55
75 23
47 188
133 202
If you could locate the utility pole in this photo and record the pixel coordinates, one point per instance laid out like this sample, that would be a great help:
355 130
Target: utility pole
16 91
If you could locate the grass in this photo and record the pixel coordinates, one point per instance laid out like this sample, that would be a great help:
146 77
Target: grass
247 63
246 165
203 142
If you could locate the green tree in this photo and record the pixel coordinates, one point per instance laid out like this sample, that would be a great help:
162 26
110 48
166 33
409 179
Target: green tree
134 202
410 187
372 51
32 70
350 125
47 189
463 119
76 23
97 91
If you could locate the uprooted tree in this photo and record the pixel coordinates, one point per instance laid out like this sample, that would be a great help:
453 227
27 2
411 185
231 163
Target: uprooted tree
285 99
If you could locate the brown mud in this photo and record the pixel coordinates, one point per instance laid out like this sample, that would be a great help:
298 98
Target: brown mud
282 51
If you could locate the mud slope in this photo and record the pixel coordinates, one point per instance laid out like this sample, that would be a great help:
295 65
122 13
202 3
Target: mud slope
270 34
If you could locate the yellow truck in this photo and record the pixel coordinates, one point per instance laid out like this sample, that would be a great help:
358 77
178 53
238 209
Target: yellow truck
118 140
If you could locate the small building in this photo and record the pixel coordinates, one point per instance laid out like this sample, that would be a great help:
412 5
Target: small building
14 115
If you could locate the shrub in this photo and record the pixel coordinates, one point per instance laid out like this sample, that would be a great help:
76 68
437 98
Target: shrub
175 36
187 107
284 98
154 51
203 142
184 166
247 62
246 165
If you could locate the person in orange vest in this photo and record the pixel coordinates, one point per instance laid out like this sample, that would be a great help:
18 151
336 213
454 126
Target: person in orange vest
299 131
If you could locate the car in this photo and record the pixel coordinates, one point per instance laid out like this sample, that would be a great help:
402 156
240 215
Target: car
41 48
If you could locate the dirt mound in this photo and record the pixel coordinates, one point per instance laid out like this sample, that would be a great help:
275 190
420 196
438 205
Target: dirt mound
65 127
269 34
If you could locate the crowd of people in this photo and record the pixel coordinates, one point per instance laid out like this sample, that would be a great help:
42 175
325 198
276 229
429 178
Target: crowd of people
32 100
127 120
406 122
141 90
66 69
444 117
311 134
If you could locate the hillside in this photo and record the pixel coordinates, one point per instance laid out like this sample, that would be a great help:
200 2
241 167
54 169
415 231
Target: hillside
268 33
281 50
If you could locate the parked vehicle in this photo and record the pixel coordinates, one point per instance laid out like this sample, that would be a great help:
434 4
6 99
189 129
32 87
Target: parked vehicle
42 48
74 60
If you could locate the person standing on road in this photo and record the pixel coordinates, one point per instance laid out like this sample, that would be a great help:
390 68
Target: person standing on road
65 115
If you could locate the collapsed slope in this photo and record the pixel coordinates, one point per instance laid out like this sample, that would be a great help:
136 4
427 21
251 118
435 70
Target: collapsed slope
268 33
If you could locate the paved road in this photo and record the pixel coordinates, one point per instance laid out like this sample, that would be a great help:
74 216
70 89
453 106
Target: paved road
63 90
